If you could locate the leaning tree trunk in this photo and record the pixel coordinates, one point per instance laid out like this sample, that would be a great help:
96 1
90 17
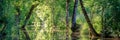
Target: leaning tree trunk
26 20
92 30
67 19
74 28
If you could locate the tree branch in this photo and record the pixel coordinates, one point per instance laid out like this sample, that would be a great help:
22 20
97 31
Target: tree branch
26 20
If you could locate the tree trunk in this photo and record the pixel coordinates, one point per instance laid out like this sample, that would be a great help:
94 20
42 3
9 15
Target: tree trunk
26 20
17 23
67 19
102 23
87 19
74 28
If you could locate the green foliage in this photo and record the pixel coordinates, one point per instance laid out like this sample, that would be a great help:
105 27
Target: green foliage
48 19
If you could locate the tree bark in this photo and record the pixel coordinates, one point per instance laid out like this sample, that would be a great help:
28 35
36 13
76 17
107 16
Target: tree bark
88 20
74 28
17 23
26 20
67 19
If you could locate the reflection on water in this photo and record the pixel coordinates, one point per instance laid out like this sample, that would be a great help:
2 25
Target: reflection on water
86 37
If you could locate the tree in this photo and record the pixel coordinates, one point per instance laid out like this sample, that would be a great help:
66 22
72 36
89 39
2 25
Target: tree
67 19
74 28
17 19
88 20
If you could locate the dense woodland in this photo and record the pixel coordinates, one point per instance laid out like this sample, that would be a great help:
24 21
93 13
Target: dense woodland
59 19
